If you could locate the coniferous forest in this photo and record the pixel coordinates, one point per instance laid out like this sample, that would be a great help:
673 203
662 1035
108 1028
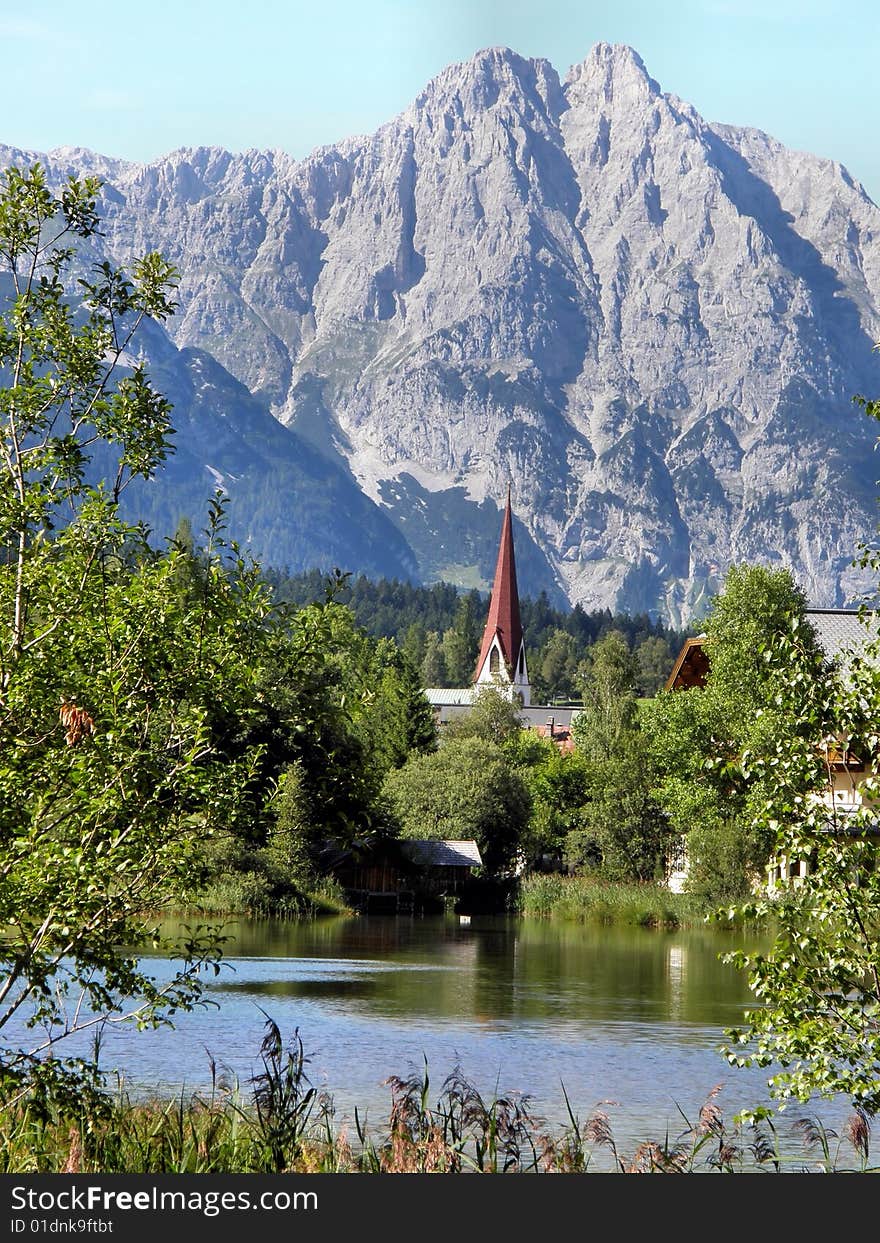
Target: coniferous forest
438 628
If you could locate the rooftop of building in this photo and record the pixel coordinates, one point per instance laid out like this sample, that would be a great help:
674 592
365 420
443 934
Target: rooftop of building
450 696
840 631
442 853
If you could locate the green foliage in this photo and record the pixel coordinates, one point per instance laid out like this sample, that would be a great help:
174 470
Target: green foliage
619 828
559 785
414 646
467 789
818 985
433 666
117 670
698 737
494 717
655 660
728 859
592 899
609 712
334 711
554 670
294 839
394 717
461 642
704 796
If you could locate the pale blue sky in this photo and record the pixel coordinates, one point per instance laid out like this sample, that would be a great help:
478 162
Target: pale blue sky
139 80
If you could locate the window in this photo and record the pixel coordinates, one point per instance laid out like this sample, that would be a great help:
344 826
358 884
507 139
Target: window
494 661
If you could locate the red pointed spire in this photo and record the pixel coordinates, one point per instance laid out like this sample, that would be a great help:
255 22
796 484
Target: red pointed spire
503 619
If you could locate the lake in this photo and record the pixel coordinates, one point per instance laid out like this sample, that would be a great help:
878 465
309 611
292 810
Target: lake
628 1015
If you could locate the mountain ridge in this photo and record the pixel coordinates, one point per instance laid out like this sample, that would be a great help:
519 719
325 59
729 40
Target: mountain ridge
652 324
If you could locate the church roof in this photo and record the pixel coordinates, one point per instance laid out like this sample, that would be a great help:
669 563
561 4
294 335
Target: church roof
504 619
445 696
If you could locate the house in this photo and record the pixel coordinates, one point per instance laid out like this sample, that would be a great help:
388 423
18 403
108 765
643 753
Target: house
402 875
444 864
502 662
691 667
841 633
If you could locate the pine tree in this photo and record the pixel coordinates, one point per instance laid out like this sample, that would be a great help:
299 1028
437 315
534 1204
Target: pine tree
434 662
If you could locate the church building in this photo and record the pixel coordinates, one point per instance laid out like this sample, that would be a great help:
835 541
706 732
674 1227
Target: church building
502 662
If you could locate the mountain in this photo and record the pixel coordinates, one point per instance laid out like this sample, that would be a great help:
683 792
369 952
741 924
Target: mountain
651 324
290 505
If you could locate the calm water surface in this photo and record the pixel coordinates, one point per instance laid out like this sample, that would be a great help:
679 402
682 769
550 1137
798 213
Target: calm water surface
628 1015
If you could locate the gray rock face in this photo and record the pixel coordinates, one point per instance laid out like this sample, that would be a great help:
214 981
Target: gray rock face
651 325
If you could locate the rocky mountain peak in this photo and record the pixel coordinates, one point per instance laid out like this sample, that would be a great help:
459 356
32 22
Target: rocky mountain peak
653 325
493 82
609 69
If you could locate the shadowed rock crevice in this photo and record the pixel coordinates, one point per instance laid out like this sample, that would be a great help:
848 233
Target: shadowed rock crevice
753 197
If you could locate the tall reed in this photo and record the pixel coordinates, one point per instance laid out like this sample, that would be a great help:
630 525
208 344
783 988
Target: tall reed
591 899
285 1125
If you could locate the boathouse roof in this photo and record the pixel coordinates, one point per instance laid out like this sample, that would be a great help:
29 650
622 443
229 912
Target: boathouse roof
442 853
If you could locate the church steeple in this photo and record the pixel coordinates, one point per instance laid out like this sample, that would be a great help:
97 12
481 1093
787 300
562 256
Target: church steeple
502 651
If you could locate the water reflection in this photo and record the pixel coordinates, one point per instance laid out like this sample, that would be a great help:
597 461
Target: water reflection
628 1014
494 970
676 957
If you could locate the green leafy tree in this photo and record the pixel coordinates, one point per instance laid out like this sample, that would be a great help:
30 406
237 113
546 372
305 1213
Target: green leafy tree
461 643
609 712
433 662
312 708
335 710
493 717
753 608
698 736
819 983
295 837
391 712
466 789
414 645
620 827
113 767
559 785
699 783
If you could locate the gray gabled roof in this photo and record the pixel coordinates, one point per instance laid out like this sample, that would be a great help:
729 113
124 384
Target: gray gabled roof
442 696
841 631
440 853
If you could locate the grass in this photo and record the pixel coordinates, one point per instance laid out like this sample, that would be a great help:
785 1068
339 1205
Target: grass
287 1126
246 893
589 899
